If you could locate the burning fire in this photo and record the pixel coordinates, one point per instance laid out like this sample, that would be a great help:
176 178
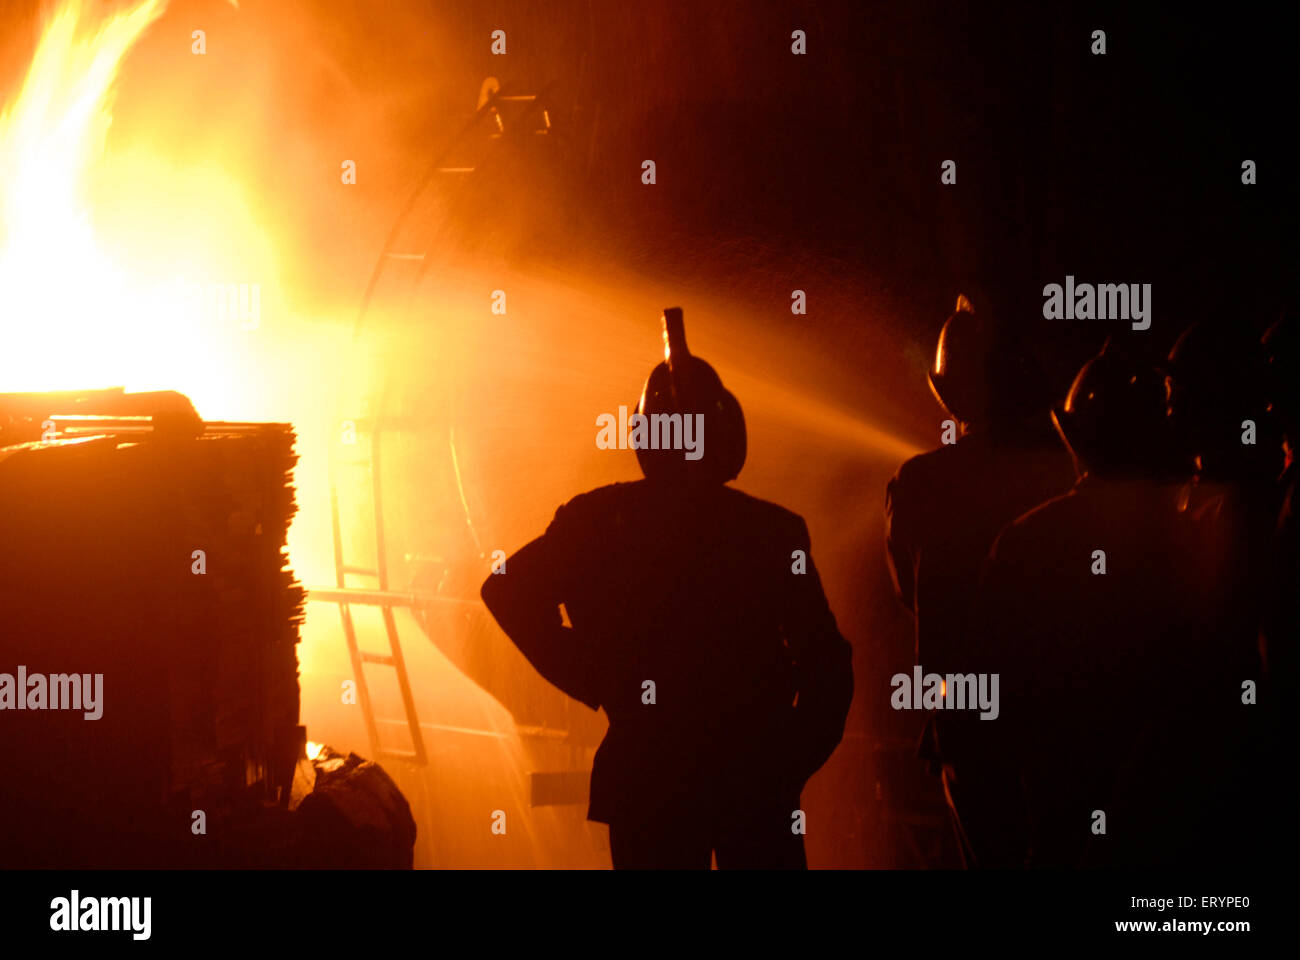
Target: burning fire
153 301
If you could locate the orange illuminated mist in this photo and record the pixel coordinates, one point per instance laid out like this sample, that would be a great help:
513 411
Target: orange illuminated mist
134 257
131 306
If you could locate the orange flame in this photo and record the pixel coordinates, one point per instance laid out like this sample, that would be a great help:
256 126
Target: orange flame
119 266
55 282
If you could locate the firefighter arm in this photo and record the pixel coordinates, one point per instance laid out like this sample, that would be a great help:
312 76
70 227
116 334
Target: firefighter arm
1003 749
823 665
525 600
901 565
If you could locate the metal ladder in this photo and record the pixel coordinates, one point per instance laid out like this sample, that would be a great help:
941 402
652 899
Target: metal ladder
460 158
529 112
377 595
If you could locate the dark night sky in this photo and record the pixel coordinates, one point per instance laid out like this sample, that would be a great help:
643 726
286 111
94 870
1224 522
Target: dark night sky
1124 167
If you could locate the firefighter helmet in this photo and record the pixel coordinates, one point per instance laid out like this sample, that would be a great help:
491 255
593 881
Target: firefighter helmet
1116 419
981 374
684 386
1217 382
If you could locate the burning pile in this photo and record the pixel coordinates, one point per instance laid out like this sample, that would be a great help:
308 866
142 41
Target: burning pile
143 546
149 701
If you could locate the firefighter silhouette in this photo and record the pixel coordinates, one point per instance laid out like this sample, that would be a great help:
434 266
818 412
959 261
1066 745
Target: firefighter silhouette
699 624
1099 609
1218 403
943 510
1280 620
1281 626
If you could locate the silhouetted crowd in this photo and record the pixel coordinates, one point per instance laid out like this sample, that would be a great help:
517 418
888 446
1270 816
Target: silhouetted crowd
1117 573
1126 564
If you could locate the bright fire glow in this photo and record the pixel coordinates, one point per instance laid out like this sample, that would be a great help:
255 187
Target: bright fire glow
153 300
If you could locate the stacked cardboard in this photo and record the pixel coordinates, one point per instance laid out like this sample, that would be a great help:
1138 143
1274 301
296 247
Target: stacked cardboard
149 549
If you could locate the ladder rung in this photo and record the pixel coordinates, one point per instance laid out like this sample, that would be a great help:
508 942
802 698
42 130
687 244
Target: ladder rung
372 598
369 657
360 571
387 754
470 731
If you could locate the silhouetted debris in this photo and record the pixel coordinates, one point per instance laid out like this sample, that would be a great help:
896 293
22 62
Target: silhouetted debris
355 816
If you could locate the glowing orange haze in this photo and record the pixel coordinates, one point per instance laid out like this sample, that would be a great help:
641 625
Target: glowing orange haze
115 254
143 308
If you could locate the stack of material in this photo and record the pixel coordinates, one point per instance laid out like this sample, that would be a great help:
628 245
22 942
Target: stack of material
148 548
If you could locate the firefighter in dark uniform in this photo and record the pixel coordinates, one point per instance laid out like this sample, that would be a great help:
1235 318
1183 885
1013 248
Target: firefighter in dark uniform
1281 626
943 510
699 624
1099 609
1219 404
1280 620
